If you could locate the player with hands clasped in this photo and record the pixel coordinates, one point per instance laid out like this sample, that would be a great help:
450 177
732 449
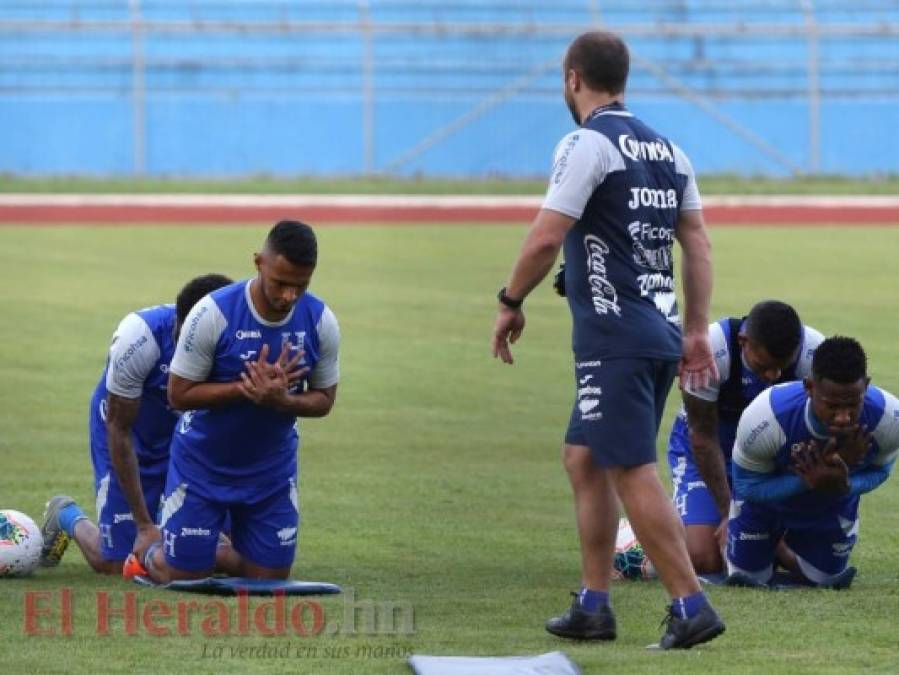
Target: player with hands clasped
253 357
805 453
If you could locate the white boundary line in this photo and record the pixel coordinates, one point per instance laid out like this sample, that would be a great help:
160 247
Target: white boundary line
408 201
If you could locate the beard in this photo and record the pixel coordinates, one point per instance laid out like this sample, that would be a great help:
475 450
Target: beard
572 108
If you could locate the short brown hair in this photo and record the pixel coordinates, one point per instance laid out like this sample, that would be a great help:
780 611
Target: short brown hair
601 59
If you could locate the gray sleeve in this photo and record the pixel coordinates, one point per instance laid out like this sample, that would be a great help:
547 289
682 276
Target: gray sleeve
195 352
132 355
759 436
327 371
810 341
691 200
582 161
887 432
721 351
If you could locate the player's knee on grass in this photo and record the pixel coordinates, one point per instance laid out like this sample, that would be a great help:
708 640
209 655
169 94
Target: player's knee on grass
254 571
162 572
817 576
821 556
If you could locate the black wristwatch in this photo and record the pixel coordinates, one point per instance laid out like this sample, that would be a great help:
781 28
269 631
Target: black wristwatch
511 303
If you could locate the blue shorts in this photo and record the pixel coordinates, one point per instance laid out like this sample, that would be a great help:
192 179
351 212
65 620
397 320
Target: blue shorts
114 519
618 409
692 499
822 550
264 524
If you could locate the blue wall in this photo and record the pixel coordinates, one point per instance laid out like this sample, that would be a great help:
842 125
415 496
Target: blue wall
231 103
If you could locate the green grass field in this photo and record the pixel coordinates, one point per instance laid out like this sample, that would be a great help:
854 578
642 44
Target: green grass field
709 184
435 484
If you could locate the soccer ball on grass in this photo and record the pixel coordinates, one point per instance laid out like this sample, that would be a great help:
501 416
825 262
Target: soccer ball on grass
20 544
630 560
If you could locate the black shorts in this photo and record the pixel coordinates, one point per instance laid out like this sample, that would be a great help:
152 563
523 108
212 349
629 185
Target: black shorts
618 408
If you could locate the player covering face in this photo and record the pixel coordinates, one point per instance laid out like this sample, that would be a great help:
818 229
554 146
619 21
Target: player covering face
804 455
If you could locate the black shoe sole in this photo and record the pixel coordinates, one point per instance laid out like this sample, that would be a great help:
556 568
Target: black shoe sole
708 634
606 637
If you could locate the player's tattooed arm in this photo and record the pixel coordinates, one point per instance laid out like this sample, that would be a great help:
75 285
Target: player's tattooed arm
120 416
702 421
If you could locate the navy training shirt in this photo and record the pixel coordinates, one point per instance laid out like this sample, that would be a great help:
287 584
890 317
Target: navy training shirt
626 185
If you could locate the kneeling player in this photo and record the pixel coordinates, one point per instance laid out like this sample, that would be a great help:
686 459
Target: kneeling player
804 454
131 427
769 346
235 451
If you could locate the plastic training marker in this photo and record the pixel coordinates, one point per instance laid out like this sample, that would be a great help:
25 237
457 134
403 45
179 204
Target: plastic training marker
133 568
552 663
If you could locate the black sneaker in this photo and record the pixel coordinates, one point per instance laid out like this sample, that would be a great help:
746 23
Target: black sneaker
742 580
580 625
843 581
686 633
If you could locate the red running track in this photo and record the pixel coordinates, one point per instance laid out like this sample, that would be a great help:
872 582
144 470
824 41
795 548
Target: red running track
321 213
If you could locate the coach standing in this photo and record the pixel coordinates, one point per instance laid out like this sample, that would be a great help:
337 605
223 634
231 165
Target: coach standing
619 196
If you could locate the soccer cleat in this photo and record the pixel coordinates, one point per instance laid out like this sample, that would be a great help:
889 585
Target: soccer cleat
743 580
132 567
55 538
843 580
686 633
580 625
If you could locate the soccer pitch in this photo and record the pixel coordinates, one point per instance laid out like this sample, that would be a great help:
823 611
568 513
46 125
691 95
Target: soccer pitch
434 490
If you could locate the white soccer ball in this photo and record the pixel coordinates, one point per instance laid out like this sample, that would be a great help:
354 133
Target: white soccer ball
20 544
630 561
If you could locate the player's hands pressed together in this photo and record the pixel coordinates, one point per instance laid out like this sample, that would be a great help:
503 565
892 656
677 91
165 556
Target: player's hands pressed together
290 364
697 366
852 445
507 329
267 383
264 386
821 469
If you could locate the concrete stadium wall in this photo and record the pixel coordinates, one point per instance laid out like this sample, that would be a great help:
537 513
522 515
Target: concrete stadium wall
231 103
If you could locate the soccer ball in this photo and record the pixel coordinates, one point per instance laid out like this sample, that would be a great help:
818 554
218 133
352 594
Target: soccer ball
20 544
630 561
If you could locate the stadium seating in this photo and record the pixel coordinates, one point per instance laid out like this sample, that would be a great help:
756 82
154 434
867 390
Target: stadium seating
216 87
